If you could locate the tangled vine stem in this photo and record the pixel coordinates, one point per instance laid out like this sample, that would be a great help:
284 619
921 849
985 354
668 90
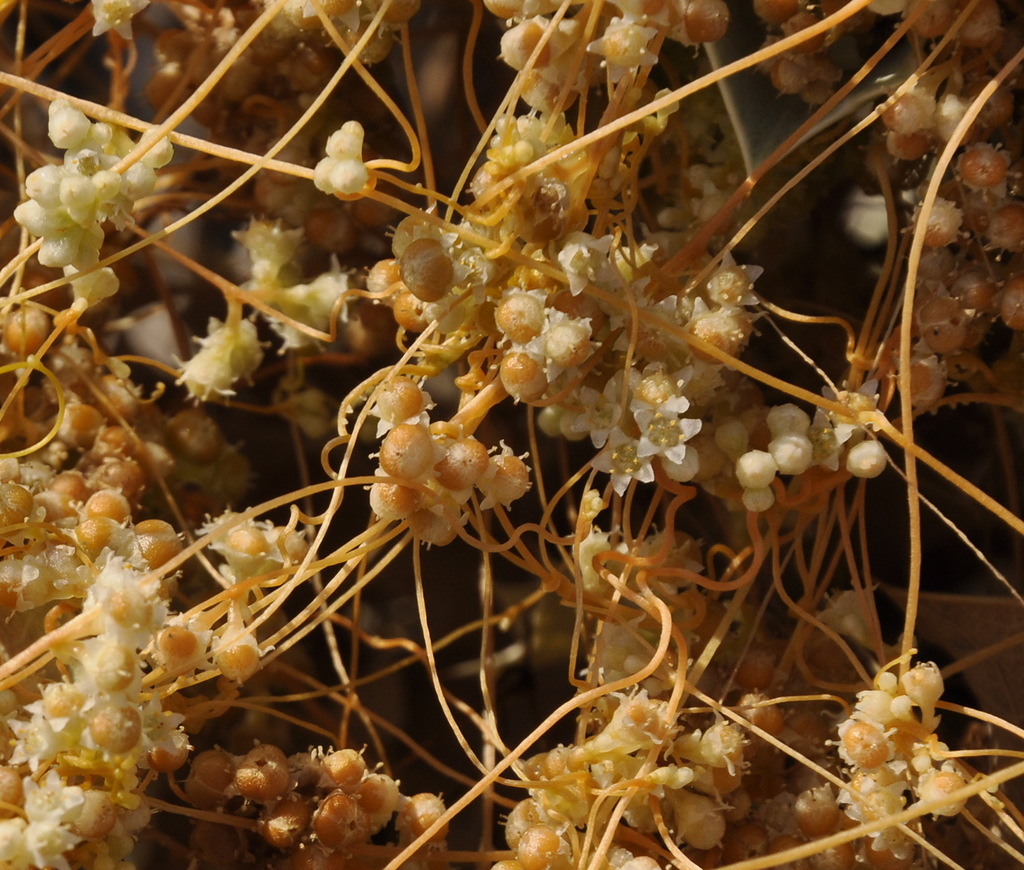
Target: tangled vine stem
429 438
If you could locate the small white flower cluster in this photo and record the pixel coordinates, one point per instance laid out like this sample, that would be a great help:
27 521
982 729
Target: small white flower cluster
230 352
100 720
69 203
796 444
683 778
639 423
625 42
890 749
272 250
43 835
342 172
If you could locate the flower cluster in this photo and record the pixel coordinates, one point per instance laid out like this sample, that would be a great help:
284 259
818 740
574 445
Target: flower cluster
272 250
890 749
342 171
69 203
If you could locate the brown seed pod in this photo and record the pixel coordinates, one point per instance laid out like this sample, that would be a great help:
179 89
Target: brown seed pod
426 269
262 775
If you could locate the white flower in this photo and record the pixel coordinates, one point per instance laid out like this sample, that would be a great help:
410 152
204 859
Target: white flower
13 849
48 805
228 354
116 15
586 260
50 800
140 611
602 411
622 460
625 47
35 742
662 433
657 408
270 247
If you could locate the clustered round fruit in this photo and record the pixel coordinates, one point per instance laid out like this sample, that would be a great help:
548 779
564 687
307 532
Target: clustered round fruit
313 809
575 361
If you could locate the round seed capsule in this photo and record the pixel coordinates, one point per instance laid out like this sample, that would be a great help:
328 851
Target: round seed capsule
409 312
816 811
113 667
107 503
706 20
983 166
176 647
407 452
522 376
378 795
943 224
841 857
158 542
758 499
11 787
788 419
907 146
240 660
520 316
193 434
567 344
262 775
540 848
96 816
16 504
170 754
340 821
283 825
392 501
975 291
210 776
382 276
1011 303
865 745
866 460
942 325
116 728
420 812
25 330
983 27
767 717
910 113
400 399
927 382
518 43
465 460
510 480
756 469
793 453
432 528
1006 227
346 768
426 269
